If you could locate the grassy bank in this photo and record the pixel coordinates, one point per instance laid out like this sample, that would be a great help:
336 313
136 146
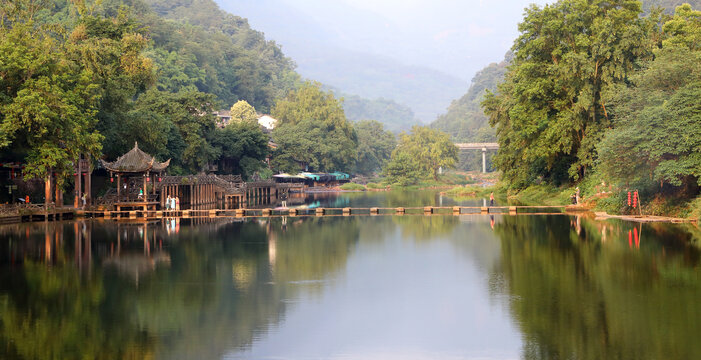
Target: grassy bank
606 199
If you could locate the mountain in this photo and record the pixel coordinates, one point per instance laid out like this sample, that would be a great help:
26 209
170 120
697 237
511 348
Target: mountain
219 52
395 117
669 5
464 120
350 60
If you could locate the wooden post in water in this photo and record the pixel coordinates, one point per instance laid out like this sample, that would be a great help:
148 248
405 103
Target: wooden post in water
374 211
400 211
320 211
346 211
456 210
428 210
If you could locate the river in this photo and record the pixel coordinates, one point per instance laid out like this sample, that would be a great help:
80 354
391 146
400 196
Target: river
360 287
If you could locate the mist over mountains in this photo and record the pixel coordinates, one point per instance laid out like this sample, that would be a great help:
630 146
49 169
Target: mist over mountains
421 54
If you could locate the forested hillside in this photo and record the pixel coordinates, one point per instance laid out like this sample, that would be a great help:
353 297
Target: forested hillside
216 51
122 72
464 119
669 5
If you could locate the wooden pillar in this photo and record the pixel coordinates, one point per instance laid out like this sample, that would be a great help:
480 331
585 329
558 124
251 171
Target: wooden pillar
144 199
59 196
119 187
47 191
86 179
78 187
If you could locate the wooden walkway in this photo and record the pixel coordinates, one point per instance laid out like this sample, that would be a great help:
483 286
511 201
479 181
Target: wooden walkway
373 211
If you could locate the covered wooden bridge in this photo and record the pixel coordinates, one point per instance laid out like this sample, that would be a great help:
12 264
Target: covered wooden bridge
142 186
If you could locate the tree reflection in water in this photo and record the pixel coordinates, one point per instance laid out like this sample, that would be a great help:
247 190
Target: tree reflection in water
186 289
578 289
158 290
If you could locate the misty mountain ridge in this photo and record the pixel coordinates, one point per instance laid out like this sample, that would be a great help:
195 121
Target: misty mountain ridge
325 54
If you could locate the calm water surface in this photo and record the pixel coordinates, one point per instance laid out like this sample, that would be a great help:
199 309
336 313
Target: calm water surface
410 287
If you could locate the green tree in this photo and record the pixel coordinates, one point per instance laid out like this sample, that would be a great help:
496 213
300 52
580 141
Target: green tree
554 105
658 136
313 131
375 146
111 47
242 111
48 102
420 155
243 146
184 122
403 169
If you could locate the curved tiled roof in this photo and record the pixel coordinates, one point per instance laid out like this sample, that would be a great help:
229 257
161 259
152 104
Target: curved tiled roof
135 161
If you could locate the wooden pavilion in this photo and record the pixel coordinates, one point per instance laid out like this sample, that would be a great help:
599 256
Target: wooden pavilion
138 165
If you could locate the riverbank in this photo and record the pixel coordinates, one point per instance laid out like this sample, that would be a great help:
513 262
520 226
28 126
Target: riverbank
600 199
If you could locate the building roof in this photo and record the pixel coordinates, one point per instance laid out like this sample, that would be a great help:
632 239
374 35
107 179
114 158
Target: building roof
267 122
135 161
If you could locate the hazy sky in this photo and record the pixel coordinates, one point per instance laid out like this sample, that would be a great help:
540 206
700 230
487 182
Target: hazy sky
458 37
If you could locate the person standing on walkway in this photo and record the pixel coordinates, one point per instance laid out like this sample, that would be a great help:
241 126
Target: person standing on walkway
177 203
84 200
284 199
168 203
491 199
576 194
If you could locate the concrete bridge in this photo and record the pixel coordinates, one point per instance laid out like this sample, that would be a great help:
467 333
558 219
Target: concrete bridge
479 146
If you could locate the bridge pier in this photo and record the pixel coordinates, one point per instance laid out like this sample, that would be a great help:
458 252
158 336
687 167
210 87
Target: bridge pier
484 160
479 146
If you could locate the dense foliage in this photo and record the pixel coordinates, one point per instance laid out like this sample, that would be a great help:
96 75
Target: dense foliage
552 108
91 78
313 132
658 132
219 52
420 155
375 146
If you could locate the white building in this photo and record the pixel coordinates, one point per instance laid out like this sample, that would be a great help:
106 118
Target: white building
267 122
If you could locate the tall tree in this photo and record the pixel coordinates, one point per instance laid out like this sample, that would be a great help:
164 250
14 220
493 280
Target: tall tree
184 121
243 144
375 146
553 106
420 155
658 136
313 131
48 101
242 111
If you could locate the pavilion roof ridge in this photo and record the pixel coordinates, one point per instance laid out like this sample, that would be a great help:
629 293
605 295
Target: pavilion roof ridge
135 161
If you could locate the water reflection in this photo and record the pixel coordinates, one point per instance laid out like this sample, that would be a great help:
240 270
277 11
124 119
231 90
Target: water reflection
593 290
355 287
